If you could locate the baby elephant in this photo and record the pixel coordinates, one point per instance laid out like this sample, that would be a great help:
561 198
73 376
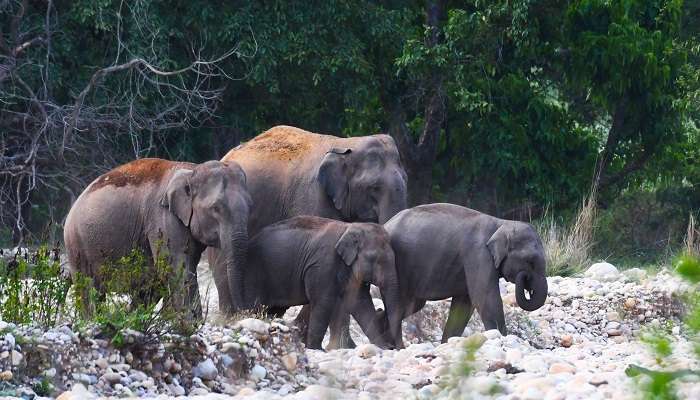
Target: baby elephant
445 250
150 203
327 264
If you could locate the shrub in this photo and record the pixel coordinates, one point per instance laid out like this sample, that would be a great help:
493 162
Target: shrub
138 297
661 384
33 290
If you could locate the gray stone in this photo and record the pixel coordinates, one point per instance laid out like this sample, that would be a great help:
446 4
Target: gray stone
206 370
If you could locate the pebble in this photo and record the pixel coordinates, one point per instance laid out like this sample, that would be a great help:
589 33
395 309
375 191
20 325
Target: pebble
206 370
258 372
566 341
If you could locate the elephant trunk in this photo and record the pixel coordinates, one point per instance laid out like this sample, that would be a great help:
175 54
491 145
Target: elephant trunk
392 303
537 288
235 249
394 200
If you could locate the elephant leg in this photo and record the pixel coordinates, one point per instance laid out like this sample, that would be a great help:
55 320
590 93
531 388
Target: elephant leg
460 311
374 324
340 330
319 318
491 311
218 270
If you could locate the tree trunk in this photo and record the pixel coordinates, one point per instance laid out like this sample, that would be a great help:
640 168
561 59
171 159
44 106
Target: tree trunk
419 157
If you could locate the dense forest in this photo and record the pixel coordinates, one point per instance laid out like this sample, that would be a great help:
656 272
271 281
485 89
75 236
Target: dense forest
517 108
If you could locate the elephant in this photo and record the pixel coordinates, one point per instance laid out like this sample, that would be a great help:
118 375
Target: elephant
445 250
328 265
148 202
294 172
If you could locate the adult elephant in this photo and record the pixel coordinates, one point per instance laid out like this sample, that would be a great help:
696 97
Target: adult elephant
293 172
151 202
328 265
444 250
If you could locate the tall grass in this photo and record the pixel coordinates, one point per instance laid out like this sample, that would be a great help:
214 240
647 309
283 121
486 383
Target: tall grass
568 248
692 238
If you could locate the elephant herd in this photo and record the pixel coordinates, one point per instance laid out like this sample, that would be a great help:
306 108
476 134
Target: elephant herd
297 218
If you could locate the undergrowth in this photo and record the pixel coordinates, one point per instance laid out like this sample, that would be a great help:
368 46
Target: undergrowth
138 294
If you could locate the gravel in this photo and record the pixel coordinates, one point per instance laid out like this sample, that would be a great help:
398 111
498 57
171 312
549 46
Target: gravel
576 346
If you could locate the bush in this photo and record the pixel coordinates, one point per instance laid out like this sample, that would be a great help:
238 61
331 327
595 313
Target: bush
661 384
33 290
640 226
137 298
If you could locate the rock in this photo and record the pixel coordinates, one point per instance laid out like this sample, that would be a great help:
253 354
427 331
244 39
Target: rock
77 392
613 332
559 368
613 316
368 350
676 330
630 303
492 334
566 341
245 392
602 271
289 361
199 391
6 376
258 372
16 358
206 370
635 274
253 325
102 363
111 377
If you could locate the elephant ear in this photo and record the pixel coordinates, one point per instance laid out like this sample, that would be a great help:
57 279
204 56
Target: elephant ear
332 175
178 195
237 169
348 245
498 245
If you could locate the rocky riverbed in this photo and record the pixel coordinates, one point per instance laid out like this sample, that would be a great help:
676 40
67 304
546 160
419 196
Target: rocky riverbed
577 346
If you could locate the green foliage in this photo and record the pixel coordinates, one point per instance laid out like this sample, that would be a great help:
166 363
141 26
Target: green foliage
662 385
139 297
43 387
33 291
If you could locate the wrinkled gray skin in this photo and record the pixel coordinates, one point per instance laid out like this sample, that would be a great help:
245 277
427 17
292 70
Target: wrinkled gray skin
150 202
328 265
444 250
293 172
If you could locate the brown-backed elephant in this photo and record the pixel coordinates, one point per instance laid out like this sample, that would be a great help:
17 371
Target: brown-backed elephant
293 172
328 265
444 250
150 202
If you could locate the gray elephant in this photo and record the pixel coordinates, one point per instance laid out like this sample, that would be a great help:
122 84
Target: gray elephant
327 264
445 250
293 172
147 202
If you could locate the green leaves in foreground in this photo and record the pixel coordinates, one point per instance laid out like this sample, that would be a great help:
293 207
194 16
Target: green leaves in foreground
661 385
688 267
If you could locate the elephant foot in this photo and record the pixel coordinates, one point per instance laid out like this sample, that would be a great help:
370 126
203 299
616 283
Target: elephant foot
344 342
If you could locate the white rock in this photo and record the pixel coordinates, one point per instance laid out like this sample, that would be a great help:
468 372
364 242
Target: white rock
254 325
206 370
602 271
17 357
492 334
258 372
368 350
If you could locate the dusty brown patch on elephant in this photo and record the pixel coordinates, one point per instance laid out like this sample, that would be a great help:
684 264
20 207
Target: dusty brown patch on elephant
135 173
284 142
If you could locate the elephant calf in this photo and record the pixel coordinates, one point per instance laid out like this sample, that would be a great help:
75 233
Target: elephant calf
445 250
327 264
150 201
